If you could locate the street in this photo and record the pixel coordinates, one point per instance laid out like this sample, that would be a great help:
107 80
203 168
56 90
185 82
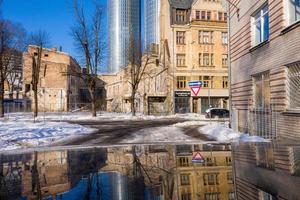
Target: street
115 132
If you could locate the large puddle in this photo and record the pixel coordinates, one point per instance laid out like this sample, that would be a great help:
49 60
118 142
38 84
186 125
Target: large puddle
262 171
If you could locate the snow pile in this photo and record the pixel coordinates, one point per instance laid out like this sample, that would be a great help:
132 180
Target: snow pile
222 133
160 134
26 134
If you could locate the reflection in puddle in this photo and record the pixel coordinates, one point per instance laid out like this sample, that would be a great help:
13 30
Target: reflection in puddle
152 172
148 172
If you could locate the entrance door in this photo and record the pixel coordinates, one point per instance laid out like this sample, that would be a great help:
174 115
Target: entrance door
195 105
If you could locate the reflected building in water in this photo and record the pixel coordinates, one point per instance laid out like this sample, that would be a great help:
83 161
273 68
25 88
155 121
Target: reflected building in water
267 171
211 179
149 172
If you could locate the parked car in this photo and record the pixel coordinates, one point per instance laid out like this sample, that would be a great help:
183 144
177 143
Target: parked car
217 112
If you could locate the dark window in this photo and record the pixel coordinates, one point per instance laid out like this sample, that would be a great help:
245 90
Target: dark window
187 196
180 37
185 179
211 179
27 88
180 15
183 161
208 15
197 14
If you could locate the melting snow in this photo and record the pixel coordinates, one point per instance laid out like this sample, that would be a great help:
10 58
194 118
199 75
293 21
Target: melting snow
27 134
222 133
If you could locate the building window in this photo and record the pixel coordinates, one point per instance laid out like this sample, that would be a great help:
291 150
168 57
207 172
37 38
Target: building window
295 161
262 91
27 88
208 15
212 196
294 86
211 179
206 59
266 196
180 61
265 156
185 179
261 26
220 16
205 37
225 82
225 17
180 37
224 38
228 160
229 177
187 196
206 80
224 60
180 15
184 161
231 196
181 82
293 13
197 15
203 15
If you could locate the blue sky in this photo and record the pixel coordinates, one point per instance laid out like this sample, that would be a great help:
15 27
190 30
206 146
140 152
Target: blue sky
53 16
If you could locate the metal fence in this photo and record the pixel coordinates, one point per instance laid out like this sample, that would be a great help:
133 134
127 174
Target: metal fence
263 122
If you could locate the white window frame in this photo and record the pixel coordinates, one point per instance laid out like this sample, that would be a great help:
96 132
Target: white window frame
288 19
261 20
224 36
293 77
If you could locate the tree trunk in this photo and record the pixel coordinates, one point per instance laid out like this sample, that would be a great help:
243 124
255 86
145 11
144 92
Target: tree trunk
1 99
92 90
35 100
133 111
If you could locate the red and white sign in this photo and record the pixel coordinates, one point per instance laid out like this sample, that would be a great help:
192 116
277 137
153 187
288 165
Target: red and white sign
195 90
198 158
195 87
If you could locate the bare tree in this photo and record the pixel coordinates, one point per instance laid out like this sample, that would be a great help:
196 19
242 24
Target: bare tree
41 40
12 37
89 42
14 81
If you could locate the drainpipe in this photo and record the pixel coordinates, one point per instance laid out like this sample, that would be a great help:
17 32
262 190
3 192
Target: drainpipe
229 66
173 93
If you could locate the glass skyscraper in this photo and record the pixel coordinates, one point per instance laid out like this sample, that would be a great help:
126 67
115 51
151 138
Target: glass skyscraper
151 22
124 24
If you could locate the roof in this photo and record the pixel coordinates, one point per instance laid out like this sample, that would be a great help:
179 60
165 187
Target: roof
181 4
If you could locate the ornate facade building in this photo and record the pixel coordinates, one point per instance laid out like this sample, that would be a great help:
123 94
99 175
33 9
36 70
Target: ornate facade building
189 41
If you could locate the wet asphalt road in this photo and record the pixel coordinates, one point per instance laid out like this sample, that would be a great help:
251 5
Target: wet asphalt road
113 132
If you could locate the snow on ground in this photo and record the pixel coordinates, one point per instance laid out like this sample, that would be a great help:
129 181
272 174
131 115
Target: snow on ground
190 123
160 134
222 133
15 135
79 116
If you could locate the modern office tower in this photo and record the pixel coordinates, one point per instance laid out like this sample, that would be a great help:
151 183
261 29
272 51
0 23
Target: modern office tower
124 24
151 22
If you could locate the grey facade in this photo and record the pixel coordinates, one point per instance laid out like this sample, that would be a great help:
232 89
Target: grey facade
124 20
151 20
